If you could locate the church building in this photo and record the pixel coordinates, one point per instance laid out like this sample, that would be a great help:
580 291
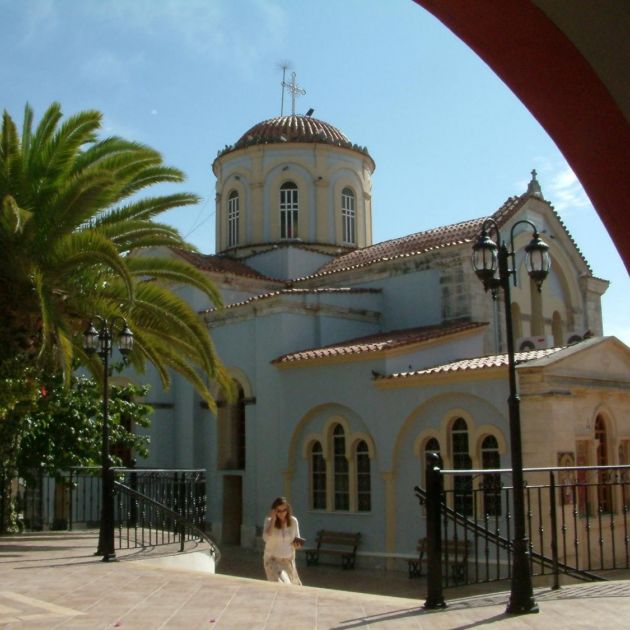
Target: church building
354 359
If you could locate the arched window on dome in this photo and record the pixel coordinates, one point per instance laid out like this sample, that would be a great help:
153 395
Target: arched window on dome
233 218
348 216
288 210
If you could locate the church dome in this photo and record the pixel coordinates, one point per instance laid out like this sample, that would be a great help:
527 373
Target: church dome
292 181
293 128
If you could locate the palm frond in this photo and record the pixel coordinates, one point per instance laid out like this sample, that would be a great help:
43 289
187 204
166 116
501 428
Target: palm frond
127 231
27 131
174 270
12 218
183 367
10 158
152 176
90 247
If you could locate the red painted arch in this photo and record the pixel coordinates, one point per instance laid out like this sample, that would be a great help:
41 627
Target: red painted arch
561 90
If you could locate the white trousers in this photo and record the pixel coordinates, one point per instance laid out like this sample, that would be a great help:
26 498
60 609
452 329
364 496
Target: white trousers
281 570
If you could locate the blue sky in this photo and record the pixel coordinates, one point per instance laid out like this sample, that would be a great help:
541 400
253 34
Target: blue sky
188 77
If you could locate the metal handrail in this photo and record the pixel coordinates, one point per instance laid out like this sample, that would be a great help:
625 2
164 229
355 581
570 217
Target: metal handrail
185 523
506 544
496 471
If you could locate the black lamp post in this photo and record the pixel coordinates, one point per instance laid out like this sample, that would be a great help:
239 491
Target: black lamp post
489 258
99 341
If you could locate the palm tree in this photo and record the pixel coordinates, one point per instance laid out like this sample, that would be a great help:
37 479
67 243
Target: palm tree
73 229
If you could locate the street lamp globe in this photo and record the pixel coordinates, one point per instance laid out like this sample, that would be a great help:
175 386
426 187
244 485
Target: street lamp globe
537 260
90 339
485 258
125 341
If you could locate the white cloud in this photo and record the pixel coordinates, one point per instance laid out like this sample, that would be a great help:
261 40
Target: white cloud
202 27
40 19
561 186
106 66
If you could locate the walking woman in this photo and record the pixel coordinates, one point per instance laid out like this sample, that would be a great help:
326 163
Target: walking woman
281 534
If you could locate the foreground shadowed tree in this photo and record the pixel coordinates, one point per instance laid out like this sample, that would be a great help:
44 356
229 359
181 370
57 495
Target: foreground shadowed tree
75 239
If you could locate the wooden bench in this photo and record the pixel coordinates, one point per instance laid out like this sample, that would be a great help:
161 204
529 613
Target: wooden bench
456 553
342 544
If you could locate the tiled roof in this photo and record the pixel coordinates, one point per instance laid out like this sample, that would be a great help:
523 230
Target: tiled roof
420 242
219 264
380 342
294 291
294 128
476 363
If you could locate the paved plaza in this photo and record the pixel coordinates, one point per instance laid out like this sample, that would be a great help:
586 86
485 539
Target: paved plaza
52 580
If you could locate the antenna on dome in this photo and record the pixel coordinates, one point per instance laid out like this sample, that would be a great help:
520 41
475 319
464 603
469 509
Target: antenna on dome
310 112
284 65
295 91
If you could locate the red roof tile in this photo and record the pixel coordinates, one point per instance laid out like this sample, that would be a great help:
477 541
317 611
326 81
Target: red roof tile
380 341
219 264
476 363
294 128
294 291
420 242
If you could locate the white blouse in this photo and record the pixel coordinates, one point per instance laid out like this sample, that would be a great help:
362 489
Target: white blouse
278 541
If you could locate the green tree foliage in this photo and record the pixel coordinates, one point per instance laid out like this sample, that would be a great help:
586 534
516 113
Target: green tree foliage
64 427
78 240
75 238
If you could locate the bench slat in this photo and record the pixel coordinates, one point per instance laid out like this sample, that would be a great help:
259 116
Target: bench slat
342 544
456 551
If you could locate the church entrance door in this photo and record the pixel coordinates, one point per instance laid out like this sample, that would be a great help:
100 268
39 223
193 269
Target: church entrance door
232 509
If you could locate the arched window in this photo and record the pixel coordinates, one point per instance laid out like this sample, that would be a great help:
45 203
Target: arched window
461 461
233 218
318 477
364 483
604 495
490 458
348 216
340 470
288 210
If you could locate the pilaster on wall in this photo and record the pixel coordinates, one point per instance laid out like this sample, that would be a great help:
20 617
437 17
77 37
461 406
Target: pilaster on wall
390 513
592 291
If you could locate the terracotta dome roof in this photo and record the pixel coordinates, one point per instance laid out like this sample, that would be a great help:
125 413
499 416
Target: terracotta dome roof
292 129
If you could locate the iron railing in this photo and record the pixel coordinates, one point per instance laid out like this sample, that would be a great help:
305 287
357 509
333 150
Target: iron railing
577 522
152 506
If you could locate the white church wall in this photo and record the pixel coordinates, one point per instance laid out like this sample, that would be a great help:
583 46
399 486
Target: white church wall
392 419
409 299
287 262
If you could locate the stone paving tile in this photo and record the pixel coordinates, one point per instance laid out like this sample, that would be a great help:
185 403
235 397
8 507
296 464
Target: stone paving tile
130 595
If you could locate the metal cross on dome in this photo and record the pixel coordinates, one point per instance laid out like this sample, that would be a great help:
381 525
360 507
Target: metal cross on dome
294 89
